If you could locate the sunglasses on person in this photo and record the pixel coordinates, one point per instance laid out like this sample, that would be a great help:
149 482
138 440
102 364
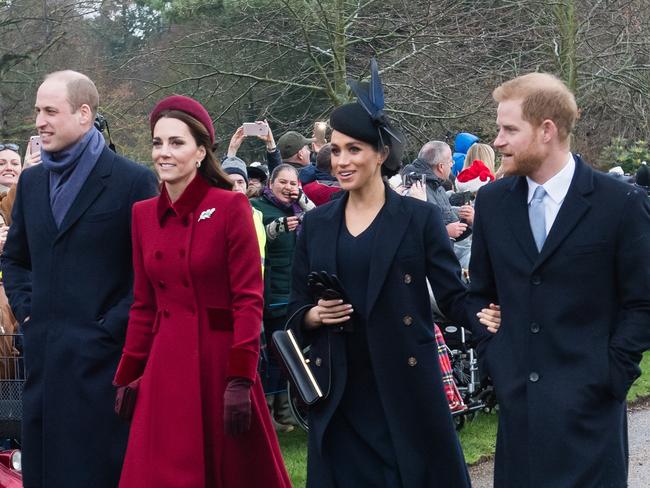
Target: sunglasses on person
11 146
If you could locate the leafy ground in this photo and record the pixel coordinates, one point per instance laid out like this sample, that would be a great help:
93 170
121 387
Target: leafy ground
477 437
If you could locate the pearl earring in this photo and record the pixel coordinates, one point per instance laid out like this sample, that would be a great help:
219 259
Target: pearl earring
198 164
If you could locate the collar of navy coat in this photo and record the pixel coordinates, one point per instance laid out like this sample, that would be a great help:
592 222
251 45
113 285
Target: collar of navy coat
393 222
575 205
91 189
186 203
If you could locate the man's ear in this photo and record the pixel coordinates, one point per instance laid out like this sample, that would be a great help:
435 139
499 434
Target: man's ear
86 114
549 130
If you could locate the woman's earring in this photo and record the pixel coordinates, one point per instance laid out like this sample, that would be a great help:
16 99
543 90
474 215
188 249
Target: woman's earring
198 164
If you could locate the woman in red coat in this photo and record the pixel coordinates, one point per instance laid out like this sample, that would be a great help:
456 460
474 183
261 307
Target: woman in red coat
193 337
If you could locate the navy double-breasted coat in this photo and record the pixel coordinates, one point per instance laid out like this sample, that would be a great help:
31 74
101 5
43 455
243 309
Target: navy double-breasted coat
575 319
75 284
411 245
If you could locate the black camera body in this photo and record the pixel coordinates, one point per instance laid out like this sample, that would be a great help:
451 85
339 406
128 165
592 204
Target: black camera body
100 122
409 178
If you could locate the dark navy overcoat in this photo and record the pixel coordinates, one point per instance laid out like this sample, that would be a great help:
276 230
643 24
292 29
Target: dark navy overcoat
411 246
576 317
75 285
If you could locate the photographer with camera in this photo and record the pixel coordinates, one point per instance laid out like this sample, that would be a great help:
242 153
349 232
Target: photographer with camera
432 167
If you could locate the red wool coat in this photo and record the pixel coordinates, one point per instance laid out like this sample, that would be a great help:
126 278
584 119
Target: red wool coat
195 321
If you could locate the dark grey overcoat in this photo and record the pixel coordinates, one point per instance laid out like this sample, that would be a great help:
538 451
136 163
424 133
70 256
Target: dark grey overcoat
576 318
75 284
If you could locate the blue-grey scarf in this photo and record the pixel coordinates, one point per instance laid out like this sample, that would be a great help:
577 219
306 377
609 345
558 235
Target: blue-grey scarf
69 170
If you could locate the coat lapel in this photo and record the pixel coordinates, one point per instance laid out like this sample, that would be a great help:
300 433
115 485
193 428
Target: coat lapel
41 197
90 190
516 211
393 222
573 208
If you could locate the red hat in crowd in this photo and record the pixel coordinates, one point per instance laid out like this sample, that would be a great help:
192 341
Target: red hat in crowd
474 177
183 104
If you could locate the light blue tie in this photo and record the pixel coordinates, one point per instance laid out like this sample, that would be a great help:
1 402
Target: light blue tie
537 217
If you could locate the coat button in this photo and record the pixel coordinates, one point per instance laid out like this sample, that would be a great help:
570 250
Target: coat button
408 320
534 327
412 361
158 254
186 221
181 253
533 377
536 280
166 313
408 279
161 284
318 361
186 283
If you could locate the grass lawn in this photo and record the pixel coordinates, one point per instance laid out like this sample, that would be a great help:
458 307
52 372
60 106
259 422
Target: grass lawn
478 437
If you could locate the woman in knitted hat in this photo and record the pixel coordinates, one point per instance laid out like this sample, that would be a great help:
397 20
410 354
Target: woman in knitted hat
384 420
192 342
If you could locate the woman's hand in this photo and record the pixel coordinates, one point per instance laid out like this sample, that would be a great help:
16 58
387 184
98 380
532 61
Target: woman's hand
490 317
328 312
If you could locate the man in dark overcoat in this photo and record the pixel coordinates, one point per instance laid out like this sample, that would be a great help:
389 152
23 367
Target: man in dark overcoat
564 250
68 275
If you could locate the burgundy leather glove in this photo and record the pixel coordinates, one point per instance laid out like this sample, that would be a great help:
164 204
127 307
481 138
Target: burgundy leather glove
237 406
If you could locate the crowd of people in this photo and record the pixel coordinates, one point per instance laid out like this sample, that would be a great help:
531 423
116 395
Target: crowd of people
147 299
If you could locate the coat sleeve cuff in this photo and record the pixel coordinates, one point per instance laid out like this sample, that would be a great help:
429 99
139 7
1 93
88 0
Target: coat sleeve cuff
242 363
128 370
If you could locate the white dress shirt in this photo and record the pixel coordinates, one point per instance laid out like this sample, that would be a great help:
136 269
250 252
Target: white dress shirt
556 189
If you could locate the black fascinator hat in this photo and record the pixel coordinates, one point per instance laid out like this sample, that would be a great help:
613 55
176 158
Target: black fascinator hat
366 121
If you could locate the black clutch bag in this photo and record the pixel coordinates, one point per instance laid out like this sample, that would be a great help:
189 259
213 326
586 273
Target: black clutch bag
296 366
125 400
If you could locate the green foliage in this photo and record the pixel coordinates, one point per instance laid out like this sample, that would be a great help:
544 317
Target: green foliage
625 153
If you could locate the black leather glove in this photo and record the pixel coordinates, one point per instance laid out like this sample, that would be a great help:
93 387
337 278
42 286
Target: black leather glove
237 406
323 285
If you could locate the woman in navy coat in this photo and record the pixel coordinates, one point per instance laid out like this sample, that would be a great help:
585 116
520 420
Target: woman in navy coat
385 421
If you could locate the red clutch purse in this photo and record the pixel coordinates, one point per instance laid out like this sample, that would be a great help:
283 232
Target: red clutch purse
125 399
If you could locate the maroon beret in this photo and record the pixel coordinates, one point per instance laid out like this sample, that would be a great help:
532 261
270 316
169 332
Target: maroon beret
183 104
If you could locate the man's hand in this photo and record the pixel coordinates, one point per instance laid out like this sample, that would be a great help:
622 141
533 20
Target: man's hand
466 212
456 229
490 317
236 141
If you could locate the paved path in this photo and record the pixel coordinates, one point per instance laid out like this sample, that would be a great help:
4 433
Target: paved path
639 435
